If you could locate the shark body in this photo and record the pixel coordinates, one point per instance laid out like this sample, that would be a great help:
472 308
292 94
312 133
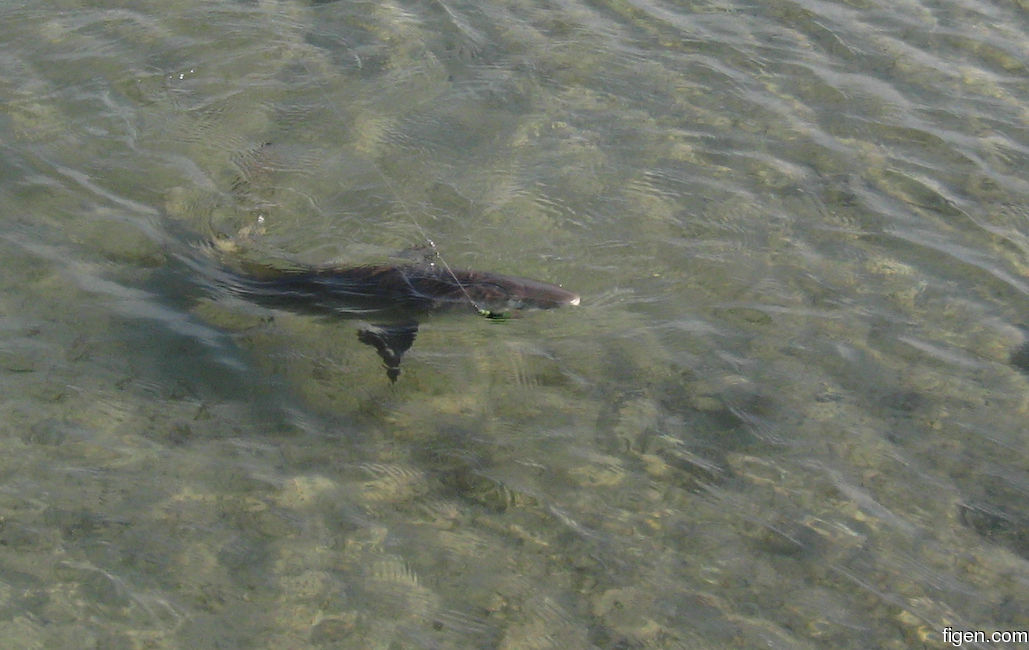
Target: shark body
395 297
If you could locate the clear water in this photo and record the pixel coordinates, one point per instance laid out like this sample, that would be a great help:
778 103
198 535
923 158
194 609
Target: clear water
790 412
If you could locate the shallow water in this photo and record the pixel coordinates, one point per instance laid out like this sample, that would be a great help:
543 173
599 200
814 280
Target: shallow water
790 411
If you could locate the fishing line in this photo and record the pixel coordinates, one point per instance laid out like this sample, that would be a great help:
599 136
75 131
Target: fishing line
486 313
479 309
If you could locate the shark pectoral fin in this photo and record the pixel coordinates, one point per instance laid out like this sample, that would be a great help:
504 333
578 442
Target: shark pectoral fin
391 342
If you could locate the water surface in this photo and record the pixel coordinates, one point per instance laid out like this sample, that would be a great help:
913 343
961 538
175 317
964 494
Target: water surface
789 413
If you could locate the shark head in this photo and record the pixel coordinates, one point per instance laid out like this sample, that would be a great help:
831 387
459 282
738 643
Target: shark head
504 293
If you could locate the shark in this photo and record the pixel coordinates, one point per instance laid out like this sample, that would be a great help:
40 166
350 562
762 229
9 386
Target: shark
392 299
